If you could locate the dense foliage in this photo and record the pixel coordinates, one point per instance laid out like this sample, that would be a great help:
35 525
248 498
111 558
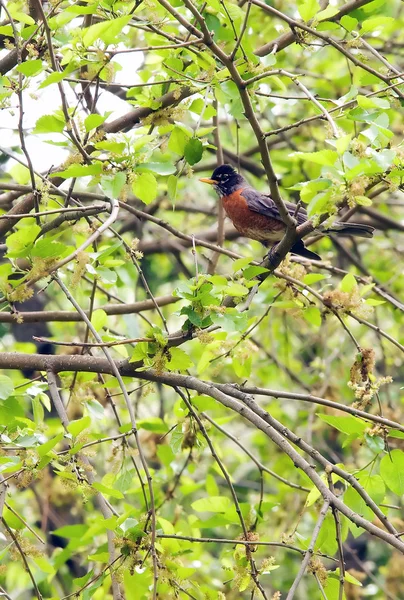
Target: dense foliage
180 419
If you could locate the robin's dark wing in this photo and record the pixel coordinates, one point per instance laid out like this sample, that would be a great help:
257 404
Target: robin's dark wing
264 205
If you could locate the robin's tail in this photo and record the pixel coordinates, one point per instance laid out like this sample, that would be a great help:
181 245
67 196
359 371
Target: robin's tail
300 249
348 229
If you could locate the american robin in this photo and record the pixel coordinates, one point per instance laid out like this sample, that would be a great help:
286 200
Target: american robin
256 216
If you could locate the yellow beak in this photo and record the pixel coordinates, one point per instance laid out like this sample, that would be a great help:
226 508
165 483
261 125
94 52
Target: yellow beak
209 181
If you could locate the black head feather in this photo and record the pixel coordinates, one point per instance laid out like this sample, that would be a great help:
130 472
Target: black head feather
227 178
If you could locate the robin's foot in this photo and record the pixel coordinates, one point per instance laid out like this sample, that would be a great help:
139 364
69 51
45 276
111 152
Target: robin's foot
272 255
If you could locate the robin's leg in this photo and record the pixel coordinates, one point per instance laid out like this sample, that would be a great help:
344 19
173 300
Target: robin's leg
272 255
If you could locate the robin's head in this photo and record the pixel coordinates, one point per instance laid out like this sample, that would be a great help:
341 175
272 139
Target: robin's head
225 180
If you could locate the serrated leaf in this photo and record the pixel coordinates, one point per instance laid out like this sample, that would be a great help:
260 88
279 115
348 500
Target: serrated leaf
111 146
6 387
107 491
80 171
323 157
49 124
363 201
179 360
95 409
153 424
19 15
313 315
71 531
178 140
346 424
215 504
30 67
48 249
77 426
240 263
158 168
107 31
348 283
112 185
172 187
372 102
145 187
49 445
236 289
253 271
392 471
20 243
311 278
93 121
55 77
374 23
342 143
307 8
327 13
350 23
193 151
99 319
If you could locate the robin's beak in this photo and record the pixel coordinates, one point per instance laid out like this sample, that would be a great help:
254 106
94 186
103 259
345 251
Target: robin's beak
209 181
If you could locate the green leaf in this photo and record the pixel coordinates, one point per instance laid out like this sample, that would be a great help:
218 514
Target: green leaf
193 151
112 185
55 77
379 22
77 426
347 424
141 352
236 289
396 433
253 271
172 186
153 424
372 102
348 283
30 67
158 168
313 315
327 13
373 486
99 319
350 23
107 31
240 263
48 249
93 121
178 140
342 143
95 409
49 445
71 531
6 387
107 491
145 187
111 146
323 157
20 243
20 16
363 201
49 124
80 171
215 504
392 471
311 278
307 8
179 360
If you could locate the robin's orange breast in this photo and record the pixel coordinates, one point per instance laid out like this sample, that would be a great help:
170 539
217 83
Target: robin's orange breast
249 223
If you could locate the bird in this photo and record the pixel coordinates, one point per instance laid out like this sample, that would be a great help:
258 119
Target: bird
256 216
